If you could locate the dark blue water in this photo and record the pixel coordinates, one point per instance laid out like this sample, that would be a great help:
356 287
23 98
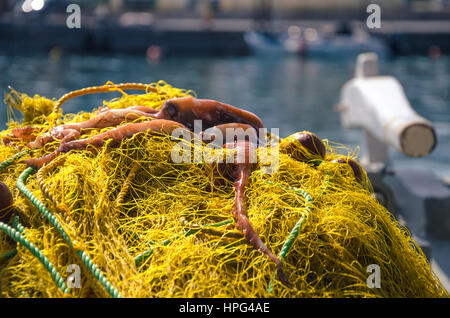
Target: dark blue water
288 93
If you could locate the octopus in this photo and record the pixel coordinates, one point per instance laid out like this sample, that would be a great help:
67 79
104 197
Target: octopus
216 118
213 115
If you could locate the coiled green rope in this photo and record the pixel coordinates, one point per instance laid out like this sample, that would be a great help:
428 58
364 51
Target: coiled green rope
8 255
38 204
19 228
16 236
17 225
48 215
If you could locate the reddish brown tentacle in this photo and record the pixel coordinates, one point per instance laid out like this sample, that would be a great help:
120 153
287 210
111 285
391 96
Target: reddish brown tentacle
39 162
226 133
243 223
119 133
115 134
240 212
26 133
212 113
145 109
71 134
41 141
107 118
240 171
8 139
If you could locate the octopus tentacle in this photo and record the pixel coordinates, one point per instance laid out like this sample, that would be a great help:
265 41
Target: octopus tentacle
240 172
115 134
184 110
212 113
39 162
108 118
105 118
226 133
25 133
41 141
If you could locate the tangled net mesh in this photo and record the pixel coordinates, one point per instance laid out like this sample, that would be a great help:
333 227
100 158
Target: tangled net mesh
141 219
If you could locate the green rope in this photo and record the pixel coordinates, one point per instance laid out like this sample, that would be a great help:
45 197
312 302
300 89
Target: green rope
8 255
49 216
19 228
297 227
295 230
39 205
17 225
326 183
16 236
219 224
12 159
144 255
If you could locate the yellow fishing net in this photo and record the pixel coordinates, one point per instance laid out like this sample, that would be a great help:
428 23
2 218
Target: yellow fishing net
142 219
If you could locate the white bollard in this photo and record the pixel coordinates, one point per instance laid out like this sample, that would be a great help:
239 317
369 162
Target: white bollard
378 104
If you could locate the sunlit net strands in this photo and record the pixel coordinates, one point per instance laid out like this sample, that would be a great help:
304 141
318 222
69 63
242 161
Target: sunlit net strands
155 228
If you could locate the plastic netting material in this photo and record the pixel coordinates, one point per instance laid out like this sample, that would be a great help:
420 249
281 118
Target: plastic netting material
141 218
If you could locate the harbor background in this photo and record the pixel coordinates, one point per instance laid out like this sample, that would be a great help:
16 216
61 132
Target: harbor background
212 27
200 45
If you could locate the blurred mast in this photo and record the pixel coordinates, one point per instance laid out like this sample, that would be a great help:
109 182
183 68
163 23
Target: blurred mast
264 16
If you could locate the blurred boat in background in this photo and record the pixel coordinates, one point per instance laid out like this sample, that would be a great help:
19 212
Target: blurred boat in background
343 41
